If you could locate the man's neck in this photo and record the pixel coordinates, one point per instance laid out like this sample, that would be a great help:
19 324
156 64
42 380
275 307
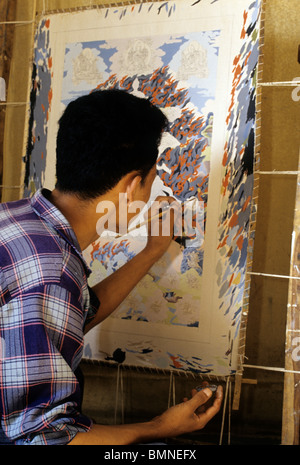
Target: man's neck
84 216
81 214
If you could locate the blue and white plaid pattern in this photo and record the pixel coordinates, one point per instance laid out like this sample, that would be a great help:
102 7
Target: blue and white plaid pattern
45 302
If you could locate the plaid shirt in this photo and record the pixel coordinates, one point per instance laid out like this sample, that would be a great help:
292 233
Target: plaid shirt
44 304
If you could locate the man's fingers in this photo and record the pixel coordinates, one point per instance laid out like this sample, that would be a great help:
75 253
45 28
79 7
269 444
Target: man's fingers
201 397
159 205
219 393
215 407
165 198
161 216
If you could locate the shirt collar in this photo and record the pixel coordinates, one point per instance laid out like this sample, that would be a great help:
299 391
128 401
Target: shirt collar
49 213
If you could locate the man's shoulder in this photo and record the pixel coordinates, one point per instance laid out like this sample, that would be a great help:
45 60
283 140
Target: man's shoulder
15 208
14 216
30 253
21 228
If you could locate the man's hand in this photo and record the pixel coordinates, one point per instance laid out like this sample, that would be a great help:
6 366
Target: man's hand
189 415
180 419
161 218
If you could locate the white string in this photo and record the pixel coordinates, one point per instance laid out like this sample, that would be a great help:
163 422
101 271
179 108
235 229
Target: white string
117 394
174 394
119 384
279 84
224 411
281 370
5 104
272 275
229 414
122 395
16 22
278 172
171 390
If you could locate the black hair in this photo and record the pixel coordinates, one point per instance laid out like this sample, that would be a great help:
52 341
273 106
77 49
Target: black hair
103 136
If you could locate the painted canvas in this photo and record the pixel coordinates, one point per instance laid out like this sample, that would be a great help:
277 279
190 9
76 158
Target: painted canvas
197 61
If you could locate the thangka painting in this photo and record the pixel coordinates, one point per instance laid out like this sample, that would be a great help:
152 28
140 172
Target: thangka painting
197 61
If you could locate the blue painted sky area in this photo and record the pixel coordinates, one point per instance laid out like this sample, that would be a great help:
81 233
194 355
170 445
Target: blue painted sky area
108 57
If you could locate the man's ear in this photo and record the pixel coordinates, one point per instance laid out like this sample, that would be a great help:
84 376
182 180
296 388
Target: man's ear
133 184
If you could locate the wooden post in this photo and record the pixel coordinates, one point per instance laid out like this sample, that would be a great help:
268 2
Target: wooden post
291 398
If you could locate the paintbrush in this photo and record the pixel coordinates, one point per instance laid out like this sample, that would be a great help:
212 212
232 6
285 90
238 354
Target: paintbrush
157 216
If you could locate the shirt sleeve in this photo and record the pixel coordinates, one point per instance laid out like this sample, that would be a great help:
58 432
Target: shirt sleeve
41 336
